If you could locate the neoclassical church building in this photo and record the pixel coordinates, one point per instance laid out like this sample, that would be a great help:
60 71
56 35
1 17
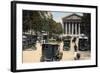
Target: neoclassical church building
72 29
72 25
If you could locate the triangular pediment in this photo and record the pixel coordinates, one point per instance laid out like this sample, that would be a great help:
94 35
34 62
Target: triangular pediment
73 17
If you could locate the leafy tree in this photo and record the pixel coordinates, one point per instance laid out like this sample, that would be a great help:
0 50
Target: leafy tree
38 21
86 26
55 28
86 23
59 29
34 20
26 20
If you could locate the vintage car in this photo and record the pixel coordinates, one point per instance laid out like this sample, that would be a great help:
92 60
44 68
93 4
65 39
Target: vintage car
51 52
83 44
28 41
66 45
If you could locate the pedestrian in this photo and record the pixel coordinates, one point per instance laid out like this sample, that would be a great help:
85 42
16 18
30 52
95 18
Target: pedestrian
75 48
78 56
76 53
74 40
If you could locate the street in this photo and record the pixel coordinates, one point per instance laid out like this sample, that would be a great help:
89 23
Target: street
32 56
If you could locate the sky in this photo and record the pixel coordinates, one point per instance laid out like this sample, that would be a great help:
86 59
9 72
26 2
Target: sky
57 16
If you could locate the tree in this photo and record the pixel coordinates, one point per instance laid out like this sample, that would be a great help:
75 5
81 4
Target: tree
86 26
86 23
58 29
55 28
26 20
34 20
38 21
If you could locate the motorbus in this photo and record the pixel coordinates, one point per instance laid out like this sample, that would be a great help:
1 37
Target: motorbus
83 44
66 44
50 52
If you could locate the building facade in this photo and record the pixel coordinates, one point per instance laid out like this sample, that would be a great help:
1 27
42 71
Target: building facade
72 28
72 25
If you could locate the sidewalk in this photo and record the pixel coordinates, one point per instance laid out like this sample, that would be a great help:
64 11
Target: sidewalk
31 56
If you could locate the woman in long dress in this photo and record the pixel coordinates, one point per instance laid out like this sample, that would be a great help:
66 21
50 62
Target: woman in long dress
76 53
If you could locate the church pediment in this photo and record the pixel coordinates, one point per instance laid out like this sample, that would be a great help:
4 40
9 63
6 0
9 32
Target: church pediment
72 17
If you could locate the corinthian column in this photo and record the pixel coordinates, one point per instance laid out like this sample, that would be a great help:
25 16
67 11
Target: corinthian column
72 27
69 28
79 28
76 28
66 28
